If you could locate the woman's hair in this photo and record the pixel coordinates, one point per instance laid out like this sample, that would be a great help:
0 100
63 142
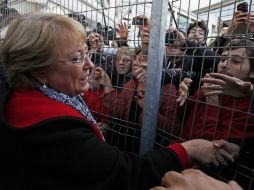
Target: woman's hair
125 51
141 51
242 43
32 41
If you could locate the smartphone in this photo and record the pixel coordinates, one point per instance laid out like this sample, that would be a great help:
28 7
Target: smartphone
138 21
242 28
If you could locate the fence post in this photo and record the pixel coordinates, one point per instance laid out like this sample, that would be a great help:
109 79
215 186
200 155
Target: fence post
154 73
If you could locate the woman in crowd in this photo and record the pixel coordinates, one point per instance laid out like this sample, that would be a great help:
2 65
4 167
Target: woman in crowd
48 137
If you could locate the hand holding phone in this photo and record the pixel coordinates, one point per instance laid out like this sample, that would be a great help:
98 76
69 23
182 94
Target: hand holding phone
240 19
140 21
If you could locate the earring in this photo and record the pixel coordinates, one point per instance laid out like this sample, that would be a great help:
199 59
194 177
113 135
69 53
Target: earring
44 85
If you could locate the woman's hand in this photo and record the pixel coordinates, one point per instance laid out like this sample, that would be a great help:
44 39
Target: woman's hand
183 91
101 77
141 72
226 85
225 148
211 99
205 152
122 30
178 37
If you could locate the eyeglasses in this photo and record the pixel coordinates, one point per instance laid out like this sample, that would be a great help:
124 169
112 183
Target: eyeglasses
123 59
77 60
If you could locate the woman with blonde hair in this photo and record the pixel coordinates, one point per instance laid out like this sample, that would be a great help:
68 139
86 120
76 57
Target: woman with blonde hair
48 137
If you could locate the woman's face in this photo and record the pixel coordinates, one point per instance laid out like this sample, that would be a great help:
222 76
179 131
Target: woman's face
235 63
70 70
123 64
139 60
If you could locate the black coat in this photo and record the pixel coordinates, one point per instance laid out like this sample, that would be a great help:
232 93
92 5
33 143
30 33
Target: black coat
64 153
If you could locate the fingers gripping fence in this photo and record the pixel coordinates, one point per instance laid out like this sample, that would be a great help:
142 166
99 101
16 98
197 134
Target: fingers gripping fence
145 53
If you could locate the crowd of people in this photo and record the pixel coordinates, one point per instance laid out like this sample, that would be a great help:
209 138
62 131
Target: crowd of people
60 87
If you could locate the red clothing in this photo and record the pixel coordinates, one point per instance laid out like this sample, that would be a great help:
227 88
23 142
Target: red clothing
38 107
233 119
93 101
56 147
30 107
119 105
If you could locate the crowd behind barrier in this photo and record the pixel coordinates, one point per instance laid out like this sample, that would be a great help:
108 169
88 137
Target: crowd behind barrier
66 95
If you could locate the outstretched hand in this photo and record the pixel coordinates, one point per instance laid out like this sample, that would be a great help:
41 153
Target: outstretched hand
228 150
122 30
222 84
204 152
101 77
210 99
183 91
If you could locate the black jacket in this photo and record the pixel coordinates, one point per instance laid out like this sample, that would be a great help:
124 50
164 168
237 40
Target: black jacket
64 153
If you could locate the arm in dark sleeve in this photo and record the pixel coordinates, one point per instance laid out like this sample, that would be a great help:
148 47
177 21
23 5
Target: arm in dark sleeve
219 44
202 54
72 149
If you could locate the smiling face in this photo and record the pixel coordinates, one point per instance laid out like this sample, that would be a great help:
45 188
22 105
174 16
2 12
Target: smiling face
70 69
197 34
235 63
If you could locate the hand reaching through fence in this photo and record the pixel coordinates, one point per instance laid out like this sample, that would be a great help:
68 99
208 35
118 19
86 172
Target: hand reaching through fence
122 30
101 77
192 179
204 152
183 91
227 149
221 84
211 99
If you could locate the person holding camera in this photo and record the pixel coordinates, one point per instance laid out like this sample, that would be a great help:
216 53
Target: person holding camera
241 26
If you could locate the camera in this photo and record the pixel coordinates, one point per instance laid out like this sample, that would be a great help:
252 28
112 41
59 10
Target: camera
170 37
138 21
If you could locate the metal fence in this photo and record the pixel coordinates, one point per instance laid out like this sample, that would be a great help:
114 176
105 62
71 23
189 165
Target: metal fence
137 135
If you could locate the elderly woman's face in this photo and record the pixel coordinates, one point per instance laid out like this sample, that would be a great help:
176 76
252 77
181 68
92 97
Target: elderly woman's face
70 70
123 64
